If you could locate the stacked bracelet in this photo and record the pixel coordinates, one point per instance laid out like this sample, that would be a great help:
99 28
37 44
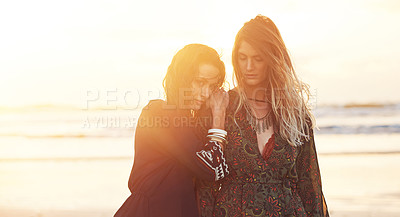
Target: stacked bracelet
219 131
217 135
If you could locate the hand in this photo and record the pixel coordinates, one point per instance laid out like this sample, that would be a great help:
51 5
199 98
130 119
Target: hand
219 100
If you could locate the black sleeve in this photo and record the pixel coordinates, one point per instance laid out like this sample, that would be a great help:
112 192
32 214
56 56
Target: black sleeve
165 131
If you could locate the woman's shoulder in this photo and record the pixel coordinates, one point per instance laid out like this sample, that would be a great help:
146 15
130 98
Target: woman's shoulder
154 107
308 130
160 107
233 93
155 104
233 99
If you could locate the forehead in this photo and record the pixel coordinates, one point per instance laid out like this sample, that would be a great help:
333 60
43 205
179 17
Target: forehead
208 72
246 49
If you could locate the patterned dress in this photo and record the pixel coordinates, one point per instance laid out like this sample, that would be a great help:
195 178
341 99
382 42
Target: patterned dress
284 182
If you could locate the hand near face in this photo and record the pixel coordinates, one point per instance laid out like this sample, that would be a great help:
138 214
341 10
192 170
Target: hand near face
219 100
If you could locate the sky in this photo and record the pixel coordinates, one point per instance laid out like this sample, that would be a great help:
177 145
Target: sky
101 53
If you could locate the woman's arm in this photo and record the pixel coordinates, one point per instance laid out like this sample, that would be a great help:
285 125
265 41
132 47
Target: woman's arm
168 132
309 183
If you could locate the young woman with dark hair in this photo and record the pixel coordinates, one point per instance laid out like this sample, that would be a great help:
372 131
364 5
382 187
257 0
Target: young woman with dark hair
169 151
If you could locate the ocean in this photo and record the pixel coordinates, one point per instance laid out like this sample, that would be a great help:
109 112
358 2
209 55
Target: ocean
57 161
59 132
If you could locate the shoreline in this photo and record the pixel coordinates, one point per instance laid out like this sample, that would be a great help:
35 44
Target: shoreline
353 185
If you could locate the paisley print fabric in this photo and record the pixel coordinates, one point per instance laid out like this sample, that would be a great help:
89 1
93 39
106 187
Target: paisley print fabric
288 183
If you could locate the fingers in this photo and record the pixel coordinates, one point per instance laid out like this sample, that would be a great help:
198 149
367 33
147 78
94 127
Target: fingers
219 100
219 93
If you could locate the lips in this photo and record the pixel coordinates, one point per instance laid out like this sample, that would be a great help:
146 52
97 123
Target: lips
198 102
250 75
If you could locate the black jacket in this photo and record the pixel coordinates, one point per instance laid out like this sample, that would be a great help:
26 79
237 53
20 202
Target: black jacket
167 158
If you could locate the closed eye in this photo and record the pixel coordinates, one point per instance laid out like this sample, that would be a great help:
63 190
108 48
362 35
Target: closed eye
200 82
242 57
258 59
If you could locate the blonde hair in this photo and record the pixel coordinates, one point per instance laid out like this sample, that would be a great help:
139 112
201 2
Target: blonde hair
286 93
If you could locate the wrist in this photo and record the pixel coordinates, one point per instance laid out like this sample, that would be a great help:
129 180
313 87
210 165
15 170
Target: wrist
218 122
218 112
221 126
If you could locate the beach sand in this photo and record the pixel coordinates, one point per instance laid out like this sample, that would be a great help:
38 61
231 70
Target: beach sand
361 185
354 184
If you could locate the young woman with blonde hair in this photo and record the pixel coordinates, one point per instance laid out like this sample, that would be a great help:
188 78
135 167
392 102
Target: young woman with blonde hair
270 152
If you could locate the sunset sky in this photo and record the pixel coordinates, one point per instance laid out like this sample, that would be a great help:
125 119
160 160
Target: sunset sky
54 52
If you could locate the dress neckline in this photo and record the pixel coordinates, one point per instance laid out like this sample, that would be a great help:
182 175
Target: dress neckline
268 147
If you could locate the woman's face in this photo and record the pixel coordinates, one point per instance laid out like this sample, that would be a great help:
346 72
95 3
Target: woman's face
252 65
204 84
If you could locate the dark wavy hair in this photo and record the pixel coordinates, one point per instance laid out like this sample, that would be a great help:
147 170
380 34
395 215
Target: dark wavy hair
185 67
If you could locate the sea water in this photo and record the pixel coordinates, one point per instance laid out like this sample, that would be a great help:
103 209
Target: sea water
78 161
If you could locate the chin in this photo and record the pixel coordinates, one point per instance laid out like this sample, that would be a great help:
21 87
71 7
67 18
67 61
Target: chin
196 107
252 83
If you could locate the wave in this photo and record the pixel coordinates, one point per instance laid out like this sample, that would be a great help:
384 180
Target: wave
333 119
361 105
357 110
359 129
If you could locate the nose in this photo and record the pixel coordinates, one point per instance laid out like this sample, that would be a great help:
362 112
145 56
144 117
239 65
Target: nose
250 65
